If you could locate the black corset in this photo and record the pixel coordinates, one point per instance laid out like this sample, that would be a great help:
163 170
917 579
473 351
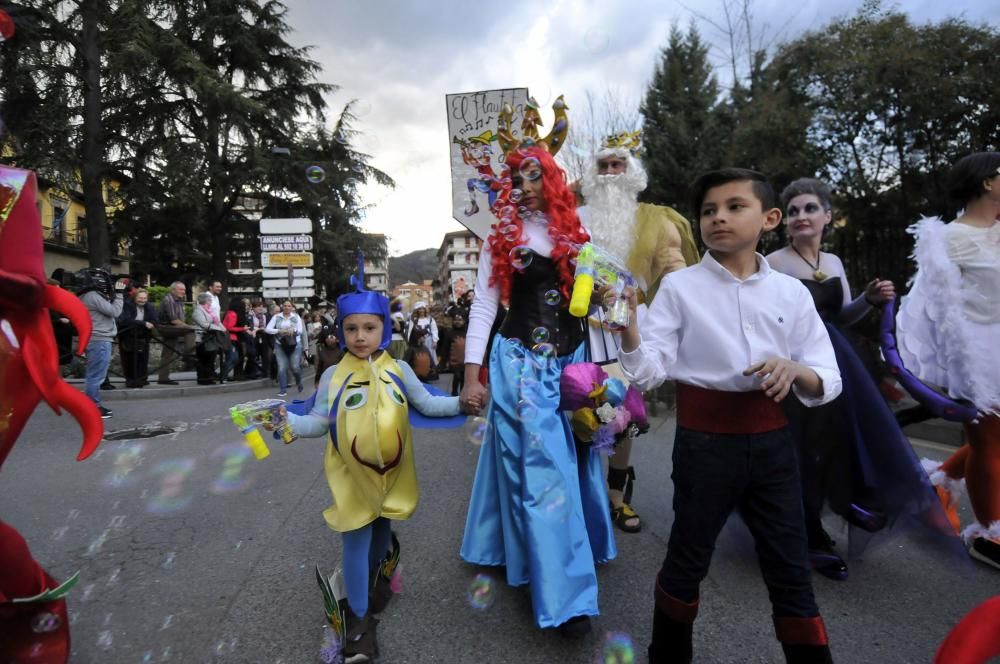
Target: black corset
528 309
828 296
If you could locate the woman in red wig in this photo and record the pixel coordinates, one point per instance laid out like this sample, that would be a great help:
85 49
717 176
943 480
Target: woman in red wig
539 504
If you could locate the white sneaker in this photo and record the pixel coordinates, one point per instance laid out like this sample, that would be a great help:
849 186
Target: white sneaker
282 394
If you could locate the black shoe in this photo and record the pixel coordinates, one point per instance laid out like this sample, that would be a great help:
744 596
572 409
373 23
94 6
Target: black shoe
575 627
206 382
168 382
986 551
105 412
106 385
823 557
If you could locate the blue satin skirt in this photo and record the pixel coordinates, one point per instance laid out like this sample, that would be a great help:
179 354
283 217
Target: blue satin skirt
539 504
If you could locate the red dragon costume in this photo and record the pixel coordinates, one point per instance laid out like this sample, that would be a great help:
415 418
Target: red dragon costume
32 605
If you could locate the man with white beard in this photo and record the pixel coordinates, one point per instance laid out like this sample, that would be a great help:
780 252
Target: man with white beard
651 241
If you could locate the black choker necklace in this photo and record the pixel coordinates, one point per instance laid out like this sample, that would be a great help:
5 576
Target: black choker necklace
818 274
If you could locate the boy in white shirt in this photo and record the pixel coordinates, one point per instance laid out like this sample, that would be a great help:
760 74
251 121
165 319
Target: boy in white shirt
737 337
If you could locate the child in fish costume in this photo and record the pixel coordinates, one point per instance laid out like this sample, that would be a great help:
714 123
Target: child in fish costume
362 405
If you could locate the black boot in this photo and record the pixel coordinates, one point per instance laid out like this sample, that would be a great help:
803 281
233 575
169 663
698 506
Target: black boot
360 644
673 627
381 587
798 653
803 640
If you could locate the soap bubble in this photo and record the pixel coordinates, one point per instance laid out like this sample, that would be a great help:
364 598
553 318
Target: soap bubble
481 592
596 39
520 257
544 350
530 169
358 167
42 623
351 182
360 108
525 410
540 335
553 297
340 137
315 174
475 430
553 503
516 195
617 648
232 479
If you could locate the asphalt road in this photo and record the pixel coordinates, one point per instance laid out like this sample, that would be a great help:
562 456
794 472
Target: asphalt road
192 551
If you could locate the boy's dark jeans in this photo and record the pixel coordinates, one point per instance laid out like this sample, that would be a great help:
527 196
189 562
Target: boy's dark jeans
758 474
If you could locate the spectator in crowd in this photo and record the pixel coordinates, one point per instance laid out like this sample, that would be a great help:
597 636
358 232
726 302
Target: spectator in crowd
289 333
212 341
397 347
173 329
64 331
104 305
135 328
328 351
456 356
235 322
312 333
263 342
214 289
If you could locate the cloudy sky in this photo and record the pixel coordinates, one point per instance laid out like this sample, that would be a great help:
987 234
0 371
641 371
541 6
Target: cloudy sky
399 60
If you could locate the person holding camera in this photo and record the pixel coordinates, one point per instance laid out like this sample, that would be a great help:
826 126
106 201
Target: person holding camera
103 299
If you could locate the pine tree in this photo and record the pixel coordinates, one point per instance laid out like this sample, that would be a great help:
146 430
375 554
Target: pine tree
680 121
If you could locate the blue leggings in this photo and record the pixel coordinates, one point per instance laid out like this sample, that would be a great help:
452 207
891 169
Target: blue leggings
363 550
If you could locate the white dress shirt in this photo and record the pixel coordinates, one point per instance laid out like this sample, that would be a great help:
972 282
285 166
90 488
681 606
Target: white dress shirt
705 326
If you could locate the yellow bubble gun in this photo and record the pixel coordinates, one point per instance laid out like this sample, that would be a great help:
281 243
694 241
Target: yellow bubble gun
598 267
248 418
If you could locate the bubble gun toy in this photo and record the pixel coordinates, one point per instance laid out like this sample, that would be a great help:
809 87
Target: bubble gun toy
248 417
596 266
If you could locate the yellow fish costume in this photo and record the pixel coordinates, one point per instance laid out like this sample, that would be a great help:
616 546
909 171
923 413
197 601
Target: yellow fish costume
369 457
362 407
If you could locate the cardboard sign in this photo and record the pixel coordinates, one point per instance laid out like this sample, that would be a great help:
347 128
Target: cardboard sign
476 155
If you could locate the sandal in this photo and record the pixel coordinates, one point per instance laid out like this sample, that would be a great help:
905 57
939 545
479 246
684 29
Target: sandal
622 515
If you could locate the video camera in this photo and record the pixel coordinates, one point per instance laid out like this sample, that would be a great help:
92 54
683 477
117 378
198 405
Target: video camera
91 279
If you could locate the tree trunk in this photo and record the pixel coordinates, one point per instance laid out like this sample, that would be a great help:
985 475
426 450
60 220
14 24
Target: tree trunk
92 148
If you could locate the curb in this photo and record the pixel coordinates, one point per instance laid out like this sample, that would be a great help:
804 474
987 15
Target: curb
150 392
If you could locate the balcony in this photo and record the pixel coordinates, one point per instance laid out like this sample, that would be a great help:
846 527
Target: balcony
74 241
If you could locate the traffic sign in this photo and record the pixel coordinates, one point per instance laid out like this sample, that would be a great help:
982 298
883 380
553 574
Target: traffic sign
286 243
284 259
282 293
283 283
285 226
282 273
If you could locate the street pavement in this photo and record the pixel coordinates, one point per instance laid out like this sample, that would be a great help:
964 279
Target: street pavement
190 550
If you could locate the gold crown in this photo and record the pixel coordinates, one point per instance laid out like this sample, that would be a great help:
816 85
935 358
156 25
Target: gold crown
529 127
631 141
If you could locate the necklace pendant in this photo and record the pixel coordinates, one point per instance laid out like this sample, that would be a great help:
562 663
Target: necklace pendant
820 275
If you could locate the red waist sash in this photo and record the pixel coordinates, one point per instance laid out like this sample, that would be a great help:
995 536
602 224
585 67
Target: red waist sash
714 411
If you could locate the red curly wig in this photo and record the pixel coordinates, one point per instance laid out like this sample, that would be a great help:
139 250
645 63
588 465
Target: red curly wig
564 226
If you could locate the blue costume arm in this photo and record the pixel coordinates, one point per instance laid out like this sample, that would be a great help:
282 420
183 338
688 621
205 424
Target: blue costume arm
422 400
316 422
